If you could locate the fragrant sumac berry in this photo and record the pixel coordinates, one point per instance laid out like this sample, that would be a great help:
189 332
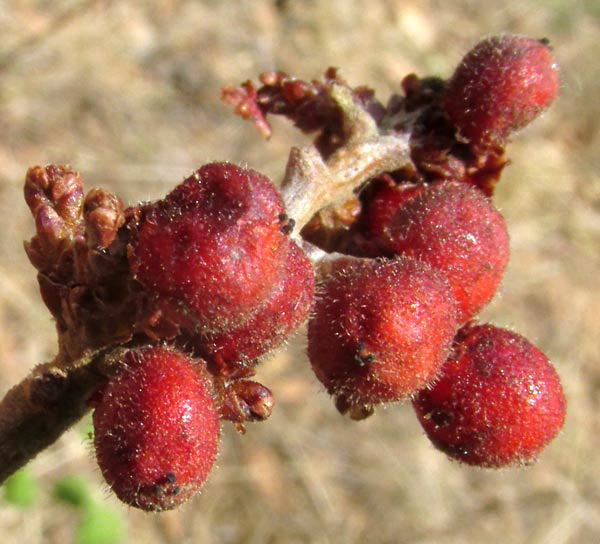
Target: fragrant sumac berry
214 246
500 86
454 228
380 329
156 427
497 401
284 310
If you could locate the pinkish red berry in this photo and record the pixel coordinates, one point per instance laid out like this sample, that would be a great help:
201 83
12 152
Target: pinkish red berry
214 246
156 428
285 309
497 401
500 86
380 329
451 226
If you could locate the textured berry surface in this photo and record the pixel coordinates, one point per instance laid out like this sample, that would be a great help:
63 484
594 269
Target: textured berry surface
380 329
215 244
284 310
498 401
156 429
452 227
500 86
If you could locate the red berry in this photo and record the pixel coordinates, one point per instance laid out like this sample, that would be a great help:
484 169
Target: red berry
380 329
156 429
452 227
498 401
214 246
500 86
284 310
382 208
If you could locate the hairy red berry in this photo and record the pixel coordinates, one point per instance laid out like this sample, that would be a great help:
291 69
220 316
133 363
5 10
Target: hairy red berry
284 310
500 86
498 401
380 329
214 246
156 429
453 227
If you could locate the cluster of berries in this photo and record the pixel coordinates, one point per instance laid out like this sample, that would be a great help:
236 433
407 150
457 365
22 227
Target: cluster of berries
396 320
193 289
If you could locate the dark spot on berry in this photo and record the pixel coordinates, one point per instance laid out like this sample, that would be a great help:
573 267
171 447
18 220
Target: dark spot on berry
288 227
485 367
441 418
362 356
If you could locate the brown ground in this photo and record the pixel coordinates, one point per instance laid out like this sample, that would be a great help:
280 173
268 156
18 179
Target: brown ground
127 92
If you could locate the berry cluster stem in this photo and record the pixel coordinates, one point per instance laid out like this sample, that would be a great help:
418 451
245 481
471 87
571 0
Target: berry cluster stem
312 182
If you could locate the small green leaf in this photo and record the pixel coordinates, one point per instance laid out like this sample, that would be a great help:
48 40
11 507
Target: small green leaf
73 490
100 525
21 489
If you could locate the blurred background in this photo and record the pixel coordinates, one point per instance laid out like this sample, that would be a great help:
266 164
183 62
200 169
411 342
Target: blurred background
127 92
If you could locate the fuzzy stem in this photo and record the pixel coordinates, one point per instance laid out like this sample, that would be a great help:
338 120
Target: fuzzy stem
35 412
311 183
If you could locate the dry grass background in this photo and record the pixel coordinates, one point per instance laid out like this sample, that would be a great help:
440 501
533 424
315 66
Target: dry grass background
127 92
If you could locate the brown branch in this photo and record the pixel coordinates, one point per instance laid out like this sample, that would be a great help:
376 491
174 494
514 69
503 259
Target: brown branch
35 412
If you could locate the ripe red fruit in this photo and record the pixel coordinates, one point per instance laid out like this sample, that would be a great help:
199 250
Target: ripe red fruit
285 309
214 246
500 86
498 401
156 429
380 329
451 226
